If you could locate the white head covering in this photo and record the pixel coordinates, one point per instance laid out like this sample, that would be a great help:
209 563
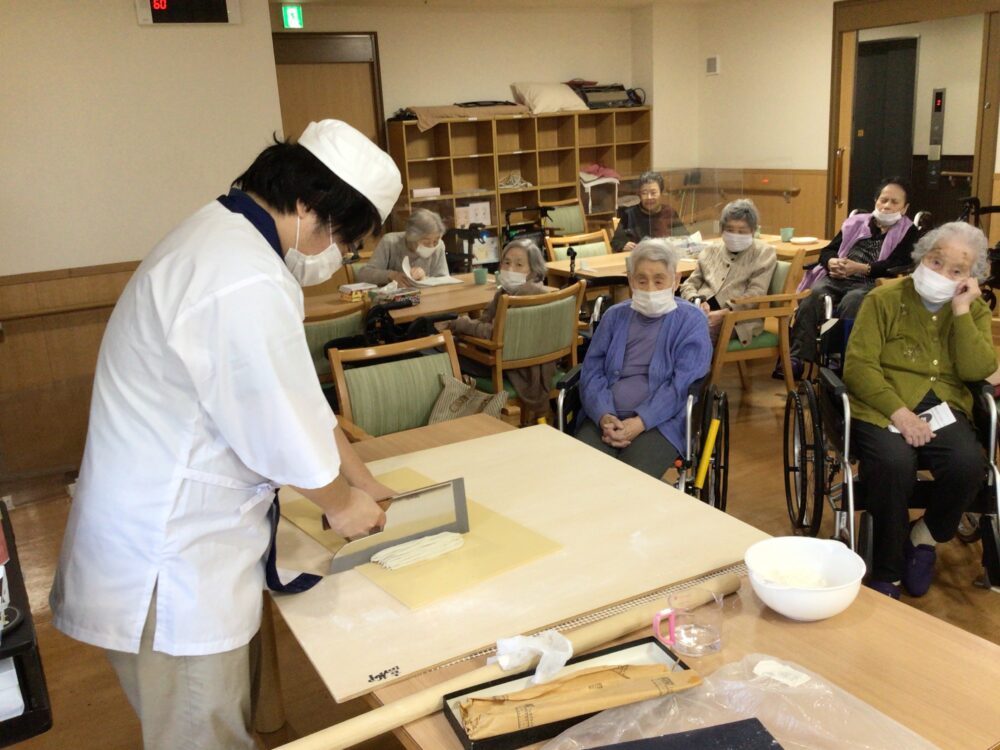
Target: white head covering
351 156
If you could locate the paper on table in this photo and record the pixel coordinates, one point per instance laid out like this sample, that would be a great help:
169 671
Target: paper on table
428 280
11 701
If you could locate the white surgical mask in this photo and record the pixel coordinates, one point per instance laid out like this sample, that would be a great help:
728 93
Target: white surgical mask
932 286
425 252
653 304
310 270
736 243
511 280
887 218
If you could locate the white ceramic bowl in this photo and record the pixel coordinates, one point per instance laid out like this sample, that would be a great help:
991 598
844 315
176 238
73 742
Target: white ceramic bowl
804 578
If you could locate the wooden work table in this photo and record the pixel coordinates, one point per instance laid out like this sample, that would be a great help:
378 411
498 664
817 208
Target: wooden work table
917 669
457 298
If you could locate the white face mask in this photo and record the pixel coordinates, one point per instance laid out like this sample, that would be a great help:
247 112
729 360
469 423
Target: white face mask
887 218
736 243
932 286
653 304
310 270
511 280
425 252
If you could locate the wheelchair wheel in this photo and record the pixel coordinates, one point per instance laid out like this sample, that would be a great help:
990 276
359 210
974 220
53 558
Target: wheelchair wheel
804 454
716 488
969 530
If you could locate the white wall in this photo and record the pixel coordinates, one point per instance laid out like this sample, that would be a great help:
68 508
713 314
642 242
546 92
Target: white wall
948 56
676 95
770 104
112 132
435 55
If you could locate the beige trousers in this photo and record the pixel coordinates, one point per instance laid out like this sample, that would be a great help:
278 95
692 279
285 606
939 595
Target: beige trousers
189 702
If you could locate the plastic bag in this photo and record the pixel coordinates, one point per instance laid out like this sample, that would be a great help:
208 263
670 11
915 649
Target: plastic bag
801 709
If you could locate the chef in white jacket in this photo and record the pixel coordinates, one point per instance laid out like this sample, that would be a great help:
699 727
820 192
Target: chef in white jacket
205 399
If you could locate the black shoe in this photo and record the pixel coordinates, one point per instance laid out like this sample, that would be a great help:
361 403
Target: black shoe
798 367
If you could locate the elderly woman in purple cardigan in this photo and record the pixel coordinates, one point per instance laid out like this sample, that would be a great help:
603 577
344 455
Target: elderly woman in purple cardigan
866 248
645 355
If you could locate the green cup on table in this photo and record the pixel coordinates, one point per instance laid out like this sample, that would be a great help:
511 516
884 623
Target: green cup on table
787 233
480 275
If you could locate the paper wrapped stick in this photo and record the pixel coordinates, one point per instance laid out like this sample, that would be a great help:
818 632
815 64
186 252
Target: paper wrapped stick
428 701
585 692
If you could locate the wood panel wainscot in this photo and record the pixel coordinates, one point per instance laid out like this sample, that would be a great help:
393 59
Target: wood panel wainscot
52 325
784 197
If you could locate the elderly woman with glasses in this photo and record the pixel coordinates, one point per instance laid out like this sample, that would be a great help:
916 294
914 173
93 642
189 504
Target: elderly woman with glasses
420 244
914 346
650 218
738 266
645 355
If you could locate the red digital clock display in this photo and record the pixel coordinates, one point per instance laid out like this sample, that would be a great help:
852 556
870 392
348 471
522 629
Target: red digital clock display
189 11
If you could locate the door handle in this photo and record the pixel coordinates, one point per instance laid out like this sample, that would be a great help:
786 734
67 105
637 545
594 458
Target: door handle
838 177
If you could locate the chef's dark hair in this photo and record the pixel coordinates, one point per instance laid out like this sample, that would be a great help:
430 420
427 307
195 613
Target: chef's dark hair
287 172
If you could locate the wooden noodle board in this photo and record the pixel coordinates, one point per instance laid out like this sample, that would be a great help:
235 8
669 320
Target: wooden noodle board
623 534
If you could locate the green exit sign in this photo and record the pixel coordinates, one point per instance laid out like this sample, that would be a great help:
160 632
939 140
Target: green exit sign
291 15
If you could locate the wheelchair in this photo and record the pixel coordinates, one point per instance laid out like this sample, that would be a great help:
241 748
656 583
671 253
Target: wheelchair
706 449
819 469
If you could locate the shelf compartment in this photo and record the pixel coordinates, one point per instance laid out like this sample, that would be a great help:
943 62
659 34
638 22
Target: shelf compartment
632 126
526 164
554 194
515 199
473 173
515 134
470 138
632 158
425 145
425 174
556 167
463 201
603 155
556 131
596 127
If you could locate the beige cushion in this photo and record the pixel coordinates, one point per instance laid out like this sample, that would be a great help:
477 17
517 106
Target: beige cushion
459 399
547 97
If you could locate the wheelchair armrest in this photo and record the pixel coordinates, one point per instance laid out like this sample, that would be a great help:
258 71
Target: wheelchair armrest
831 383
570 380
980 388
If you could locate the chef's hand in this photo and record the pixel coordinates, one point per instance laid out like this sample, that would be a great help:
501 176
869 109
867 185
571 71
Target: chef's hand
965 294
377 490
915 431
358 517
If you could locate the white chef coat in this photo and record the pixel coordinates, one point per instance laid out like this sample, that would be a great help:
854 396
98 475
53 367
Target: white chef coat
205 398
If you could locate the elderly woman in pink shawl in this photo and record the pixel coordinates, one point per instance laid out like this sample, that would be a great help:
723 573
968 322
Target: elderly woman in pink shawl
868 246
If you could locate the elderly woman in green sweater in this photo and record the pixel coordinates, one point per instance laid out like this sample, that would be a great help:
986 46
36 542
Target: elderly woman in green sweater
913 348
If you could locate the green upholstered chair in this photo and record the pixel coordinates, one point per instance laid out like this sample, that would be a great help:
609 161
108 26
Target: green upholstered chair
380 397
565 217
353 268
776 308
586 245
529 330
318 332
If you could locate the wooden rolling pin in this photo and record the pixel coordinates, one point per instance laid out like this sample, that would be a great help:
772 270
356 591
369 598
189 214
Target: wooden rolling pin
428 701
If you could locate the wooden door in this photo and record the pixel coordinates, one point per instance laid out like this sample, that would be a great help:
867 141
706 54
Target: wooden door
317 91
334 76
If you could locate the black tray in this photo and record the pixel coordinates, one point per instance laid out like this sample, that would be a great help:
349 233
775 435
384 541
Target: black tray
541 732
